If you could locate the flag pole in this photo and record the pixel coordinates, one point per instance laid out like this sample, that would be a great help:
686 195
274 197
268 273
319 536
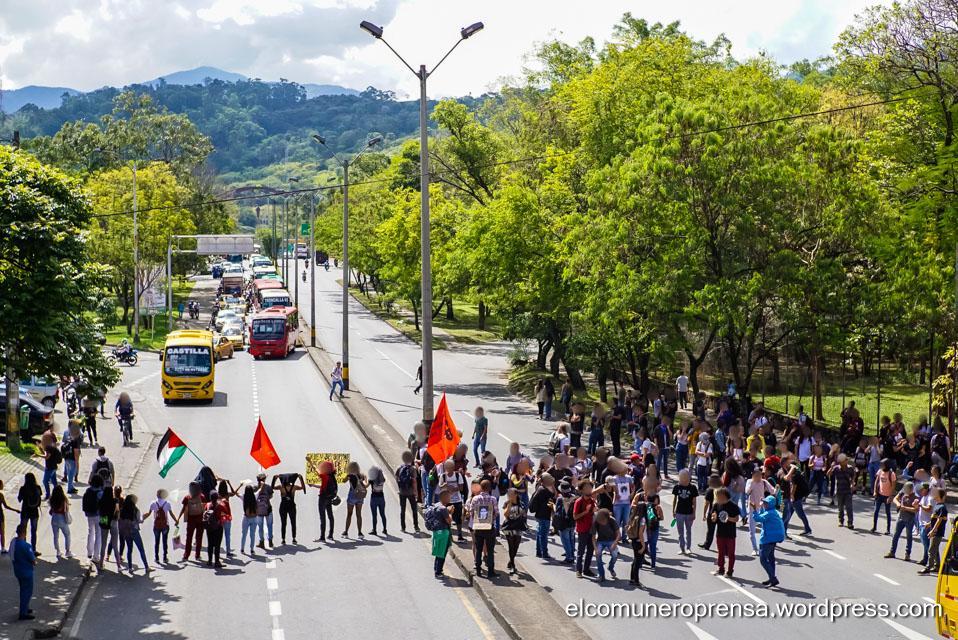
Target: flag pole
196 456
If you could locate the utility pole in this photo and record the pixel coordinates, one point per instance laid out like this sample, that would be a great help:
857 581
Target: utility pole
136 265
312 271
274 241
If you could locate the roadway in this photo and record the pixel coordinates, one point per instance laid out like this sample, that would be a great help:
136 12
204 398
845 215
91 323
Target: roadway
837 565
307 590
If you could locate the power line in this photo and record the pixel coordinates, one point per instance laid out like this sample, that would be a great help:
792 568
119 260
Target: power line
536 158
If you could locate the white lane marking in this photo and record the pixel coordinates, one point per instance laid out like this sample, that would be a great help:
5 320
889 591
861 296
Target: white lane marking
275 608
701 634
834 555
745 592
271 564
395 364
144 379
471 610
903 630
75 628
468 413
278 634
506 438
886 579
272 584
927 599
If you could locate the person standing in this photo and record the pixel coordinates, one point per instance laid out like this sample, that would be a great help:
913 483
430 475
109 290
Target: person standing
541 396
162 512
482 517
513 525
714 483
60 520
213 516
926 503
550 397
583 513
453 481
51 461
192 510
438 519
358 486
605 538
883 489
636 532
377 498
682 389
480 435
773 532
4 506
649 500
663 444
30 498
565 396
725 515
542 505
264 512
226 491
327 498
907 504
624 488
287 502
109 512
129 527
843 474
562 520
24 561
406 482
704 454
936 527
249 520
70 453
90 505
683 510
336 380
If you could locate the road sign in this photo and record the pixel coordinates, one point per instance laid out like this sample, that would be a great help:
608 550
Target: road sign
304 229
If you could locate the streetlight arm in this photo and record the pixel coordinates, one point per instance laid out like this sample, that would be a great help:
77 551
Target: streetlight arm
401 59
443 59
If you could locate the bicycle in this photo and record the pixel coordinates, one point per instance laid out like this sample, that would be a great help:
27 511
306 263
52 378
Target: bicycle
126 428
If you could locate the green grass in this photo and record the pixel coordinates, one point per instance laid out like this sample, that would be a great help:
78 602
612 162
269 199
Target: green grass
26 451
465 328
397 321
155 338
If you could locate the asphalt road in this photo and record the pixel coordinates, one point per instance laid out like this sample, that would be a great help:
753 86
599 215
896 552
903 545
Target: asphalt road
373 588
834 565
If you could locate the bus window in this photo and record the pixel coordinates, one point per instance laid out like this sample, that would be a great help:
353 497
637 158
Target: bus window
187 361
269 328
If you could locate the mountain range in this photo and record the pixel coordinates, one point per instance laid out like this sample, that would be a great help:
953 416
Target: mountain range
52 97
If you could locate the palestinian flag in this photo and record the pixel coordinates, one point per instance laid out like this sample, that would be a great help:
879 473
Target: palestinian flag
169 452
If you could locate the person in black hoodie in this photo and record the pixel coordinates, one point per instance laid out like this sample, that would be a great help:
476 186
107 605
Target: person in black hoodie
542 506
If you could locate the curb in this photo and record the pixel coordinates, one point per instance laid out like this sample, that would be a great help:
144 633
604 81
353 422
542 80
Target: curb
57 629
575 632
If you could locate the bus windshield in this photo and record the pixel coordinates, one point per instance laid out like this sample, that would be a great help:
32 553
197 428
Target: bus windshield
269 328
275 301
187 361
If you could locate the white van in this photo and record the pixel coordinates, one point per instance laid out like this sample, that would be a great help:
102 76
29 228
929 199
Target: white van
41 390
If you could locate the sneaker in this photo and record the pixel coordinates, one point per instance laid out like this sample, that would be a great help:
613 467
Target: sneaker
493 574
612 575
578 574
728 574
478 572
806 533
718 572
754 553
765 583
889 555
588 572
704 546
373 533
29 616
907 557
773 583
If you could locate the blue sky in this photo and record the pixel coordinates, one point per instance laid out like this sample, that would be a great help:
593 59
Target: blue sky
86 44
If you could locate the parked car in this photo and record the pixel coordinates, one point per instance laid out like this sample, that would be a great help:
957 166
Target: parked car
41 416
41 390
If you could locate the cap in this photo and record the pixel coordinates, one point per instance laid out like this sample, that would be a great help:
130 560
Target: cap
635 456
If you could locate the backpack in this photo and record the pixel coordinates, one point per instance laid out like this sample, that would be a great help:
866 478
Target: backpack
56 456
211 519
561 518
161 520
66 450
194 506
360 489
434 517
632 529
102 469
90 501
404 478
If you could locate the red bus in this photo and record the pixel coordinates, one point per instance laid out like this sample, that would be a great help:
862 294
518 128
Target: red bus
274 332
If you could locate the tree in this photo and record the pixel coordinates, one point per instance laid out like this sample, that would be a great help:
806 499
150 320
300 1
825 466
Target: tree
48 285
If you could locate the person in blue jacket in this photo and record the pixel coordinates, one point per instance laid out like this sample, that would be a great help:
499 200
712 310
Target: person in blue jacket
773 532
24 560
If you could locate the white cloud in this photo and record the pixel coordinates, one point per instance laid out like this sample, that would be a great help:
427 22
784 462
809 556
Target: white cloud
122 41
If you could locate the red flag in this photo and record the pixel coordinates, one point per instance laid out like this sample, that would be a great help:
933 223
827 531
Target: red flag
262 449
443 435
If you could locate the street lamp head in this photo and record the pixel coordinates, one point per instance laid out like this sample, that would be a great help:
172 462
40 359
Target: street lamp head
371 29
320 139
374 141
471 30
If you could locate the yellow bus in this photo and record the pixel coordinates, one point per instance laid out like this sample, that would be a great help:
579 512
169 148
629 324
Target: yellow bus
947 592
188 365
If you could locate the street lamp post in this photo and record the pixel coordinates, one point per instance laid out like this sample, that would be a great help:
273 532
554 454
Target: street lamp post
312 271
422 74
345 163
289 182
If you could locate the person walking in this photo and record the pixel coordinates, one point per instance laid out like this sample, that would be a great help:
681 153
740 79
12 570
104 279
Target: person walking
358 487
192 510
249 520
704 454
542 505
418 379
482 522
663 445
541 396
162 512
129 528
480 435
907 504
937 526
843 475
583 513
51 462
550 397
30 498
683 510
513 526
406 482
60 520
725 515
795 489
70 453
109 511
377 499
287 502
336 380
24 561
883 489
606 534
773 532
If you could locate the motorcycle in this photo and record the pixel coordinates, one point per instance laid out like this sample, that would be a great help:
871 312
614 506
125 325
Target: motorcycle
304 276
127 356
326 265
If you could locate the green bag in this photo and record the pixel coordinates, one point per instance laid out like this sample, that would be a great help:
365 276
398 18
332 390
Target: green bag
440 542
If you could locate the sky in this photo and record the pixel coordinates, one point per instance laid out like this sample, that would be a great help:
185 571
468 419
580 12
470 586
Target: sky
86 44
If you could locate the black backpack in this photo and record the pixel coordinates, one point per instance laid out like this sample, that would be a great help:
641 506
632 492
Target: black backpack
211 519
404 478
91 499
434 516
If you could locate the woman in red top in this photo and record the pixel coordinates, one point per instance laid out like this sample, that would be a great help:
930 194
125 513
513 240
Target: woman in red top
226 491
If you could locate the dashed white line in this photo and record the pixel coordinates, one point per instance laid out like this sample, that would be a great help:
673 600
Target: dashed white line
275 608
745 592
905 631
701 634
834 555
411 376
272 584
278 634
927 599
506 438
886 579
271 564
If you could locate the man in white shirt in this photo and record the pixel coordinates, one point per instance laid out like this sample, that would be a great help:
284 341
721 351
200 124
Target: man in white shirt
682 389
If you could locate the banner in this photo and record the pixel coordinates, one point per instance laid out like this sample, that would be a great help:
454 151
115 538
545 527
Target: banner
339 460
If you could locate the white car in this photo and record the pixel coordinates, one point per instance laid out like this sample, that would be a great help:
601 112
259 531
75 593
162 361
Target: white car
41 390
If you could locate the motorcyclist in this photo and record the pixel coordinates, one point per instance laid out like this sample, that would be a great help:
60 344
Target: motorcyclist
123 349
123 409
304 275
326 264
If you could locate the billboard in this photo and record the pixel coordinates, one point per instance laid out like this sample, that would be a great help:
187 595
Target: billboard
216 245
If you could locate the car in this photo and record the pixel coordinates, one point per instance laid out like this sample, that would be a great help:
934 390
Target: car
222 347
224 316
41 417
236 335
42 390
